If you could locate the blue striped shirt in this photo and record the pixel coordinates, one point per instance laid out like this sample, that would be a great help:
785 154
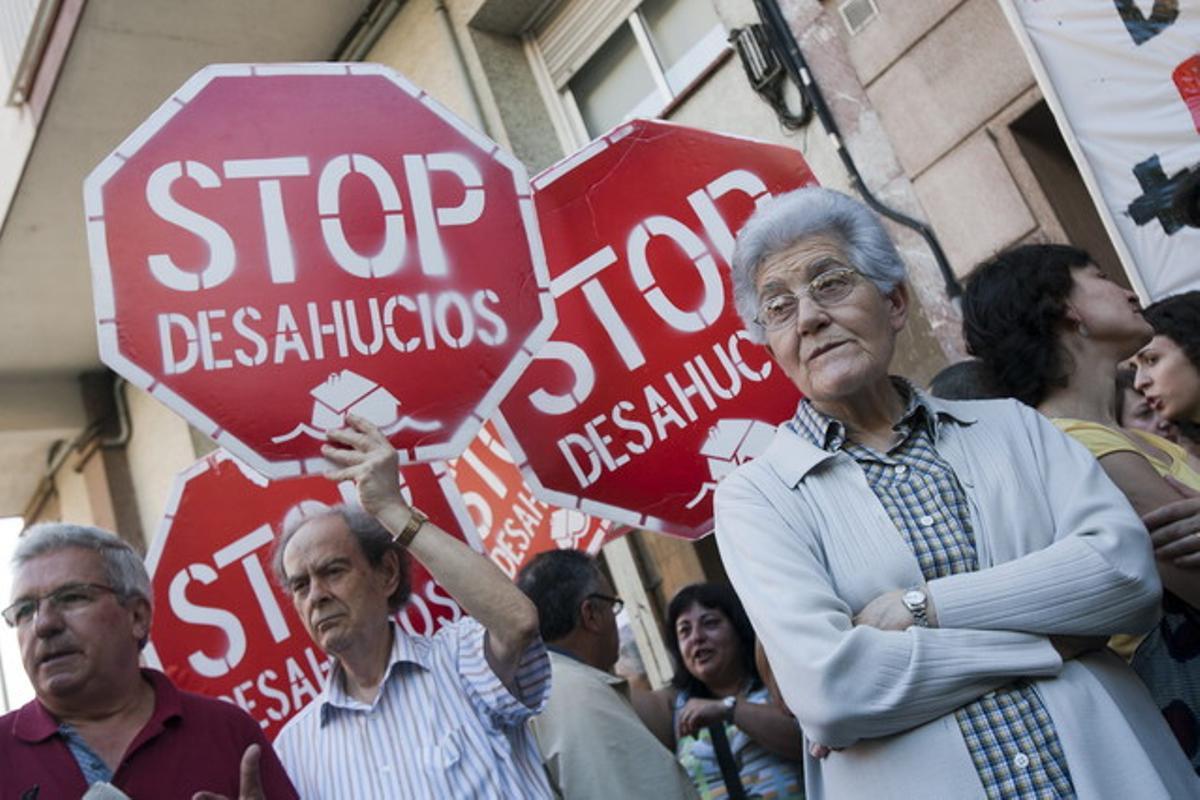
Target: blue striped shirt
442 726
1008 732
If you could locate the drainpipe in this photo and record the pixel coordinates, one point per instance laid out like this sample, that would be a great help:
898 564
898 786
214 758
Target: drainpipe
374 22
785 43
85 444
460 63
367 29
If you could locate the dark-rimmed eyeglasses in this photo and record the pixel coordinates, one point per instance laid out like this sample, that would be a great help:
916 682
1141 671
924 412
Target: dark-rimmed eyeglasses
64 600
778 310
617 603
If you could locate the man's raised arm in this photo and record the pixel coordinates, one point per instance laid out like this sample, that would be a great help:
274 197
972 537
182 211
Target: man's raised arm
363 455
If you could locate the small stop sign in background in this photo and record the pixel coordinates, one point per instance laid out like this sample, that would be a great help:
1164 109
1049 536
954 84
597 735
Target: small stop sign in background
650 390
280 244
222 626
513 523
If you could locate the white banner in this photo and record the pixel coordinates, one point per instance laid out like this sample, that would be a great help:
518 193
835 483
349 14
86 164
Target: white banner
1123 80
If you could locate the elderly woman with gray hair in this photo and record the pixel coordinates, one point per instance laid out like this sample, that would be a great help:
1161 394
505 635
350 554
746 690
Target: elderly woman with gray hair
933 581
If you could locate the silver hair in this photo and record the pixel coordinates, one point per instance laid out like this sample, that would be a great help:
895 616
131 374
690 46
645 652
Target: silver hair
786 219
122 565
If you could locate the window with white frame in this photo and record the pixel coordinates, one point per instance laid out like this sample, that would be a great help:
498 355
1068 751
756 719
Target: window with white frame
606 61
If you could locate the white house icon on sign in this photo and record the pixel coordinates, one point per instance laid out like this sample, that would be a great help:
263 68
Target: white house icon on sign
347 392
731 443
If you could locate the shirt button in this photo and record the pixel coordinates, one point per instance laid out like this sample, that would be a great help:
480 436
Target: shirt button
1021 761
925 521
901 469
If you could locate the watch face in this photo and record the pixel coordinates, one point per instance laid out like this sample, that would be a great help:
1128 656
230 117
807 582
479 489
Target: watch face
914 598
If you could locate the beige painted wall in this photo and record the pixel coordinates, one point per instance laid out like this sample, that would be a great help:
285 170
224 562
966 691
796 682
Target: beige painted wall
160 445
418 45
74 501
946 78
725 103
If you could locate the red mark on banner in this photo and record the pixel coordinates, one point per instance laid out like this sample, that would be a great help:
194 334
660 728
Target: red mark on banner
1187 81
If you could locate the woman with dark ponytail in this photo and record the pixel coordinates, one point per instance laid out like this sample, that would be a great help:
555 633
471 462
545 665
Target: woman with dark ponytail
1051 329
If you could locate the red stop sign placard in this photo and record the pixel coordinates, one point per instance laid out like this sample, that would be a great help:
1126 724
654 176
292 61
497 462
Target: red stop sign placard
221 625
278 245
650 389
512 522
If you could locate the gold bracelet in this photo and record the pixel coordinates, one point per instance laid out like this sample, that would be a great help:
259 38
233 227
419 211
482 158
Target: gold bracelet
415 520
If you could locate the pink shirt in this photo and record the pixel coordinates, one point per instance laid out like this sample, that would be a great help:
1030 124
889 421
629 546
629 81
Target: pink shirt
191 743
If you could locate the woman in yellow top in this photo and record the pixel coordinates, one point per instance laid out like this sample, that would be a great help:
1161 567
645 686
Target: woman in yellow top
1051 329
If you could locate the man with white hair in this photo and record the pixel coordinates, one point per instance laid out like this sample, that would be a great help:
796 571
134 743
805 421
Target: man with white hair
81 608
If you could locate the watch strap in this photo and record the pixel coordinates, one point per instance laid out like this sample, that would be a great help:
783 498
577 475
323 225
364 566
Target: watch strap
415 520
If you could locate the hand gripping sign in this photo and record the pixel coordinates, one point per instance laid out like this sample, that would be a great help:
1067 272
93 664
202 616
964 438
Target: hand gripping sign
278 245
222 626
512 522
650 389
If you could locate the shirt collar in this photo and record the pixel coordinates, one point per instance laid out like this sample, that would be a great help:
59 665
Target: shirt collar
561 659
810 438
829 433
35 723
564 653
405 650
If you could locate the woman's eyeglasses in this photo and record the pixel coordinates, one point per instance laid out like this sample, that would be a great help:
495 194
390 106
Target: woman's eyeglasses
829 288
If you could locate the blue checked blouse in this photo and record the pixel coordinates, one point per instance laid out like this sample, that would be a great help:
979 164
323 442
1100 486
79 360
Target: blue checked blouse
1008 732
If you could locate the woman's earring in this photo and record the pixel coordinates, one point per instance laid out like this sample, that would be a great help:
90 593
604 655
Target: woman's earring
1083 331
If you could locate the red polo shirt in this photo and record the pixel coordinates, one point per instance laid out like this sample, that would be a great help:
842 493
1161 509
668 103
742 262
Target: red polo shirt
191 743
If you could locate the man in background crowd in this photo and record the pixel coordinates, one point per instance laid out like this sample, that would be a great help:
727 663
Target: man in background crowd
594 744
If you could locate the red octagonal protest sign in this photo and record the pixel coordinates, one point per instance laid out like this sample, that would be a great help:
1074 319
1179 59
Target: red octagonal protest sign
278 245
222 626
514 525
650 390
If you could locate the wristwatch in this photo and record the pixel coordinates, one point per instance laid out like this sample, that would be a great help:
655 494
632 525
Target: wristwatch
730 704
915 601
415 520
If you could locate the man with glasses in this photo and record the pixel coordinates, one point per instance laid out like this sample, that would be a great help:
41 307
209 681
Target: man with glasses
407 716
591 738
81 608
